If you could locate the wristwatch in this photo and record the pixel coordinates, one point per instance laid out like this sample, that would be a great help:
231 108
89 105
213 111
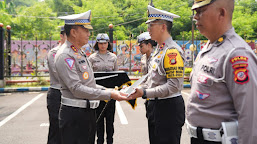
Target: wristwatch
144 94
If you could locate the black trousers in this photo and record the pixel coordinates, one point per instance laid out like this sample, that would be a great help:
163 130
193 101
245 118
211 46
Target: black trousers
108 115
77 125
199 141
165 120
53 106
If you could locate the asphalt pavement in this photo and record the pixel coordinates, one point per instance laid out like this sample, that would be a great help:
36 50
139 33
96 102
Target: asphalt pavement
24 120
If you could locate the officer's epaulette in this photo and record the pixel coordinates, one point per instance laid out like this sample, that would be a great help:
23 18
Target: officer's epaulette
220 41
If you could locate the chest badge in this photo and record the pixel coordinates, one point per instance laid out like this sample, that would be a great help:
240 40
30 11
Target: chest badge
202 79
70 62
202 96
85 75
154 66
84 67
212 60
172 57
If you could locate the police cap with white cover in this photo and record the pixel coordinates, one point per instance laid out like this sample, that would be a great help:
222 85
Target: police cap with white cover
143 37
157 14
201 3
102 37
83 19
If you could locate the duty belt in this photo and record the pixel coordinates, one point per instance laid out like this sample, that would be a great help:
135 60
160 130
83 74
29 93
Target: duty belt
171 96
208 134
79 103
55 86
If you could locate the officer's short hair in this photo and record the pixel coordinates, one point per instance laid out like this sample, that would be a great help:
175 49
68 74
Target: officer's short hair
152 42
168 24
68 28
62 32
109 47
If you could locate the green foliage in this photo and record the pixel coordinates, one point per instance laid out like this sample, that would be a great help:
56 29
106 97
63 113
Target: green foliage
31 19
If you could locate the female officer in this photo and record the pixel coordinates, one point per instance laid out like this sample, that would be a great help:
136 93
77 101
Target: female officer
104 60
146 49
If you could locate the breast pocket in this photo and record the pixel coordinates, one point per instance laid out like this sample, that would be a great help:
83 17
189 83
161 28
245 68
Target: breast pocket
110 65
205 92
96 65
205 80
83 71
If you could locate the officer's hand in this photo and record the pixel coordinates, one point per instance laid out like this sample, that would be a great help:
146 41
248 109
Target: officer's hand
138 93
117 95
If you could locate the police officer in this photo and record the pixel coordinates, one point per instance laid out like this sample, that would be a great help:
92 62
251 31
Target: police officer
223 99
80 94
166 110
104 60
54 94
146 48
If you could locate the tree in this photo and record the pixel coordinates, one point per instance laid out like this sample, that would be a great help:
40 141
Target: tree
35 21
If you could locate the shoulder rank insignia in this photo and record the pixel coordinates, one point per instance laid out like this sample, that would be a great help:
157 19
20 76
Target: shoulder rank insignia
70 62
173 64
220 40
74 48
241 73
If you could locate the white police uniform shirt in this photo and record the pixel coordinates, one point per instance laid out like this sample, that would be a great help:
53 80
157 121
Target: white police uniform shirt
76 75
210 102
103 62
54 82
163 82
145 63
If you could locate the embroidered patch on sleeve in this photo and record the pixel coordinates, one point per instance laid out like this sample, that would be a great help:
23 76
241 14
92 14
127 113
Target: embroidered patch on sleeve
238 58
54 55
241 73
173 64
202 96
70 62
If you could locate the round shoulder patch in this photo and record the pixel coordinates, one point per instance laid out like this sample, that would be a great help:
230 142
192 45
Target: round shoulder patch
85 75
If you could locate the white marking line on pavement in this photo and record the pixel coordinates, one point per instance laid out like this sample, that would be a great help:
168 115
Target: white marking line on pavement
121 114
185 93
20 110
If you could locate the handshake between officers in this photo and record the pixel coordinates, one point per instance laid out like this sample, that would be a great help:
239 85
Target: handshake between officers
80 93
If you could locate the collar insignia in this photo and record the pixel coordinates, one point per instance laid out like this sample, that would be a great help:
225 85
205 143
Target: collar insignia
161 47
73 48
220 40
